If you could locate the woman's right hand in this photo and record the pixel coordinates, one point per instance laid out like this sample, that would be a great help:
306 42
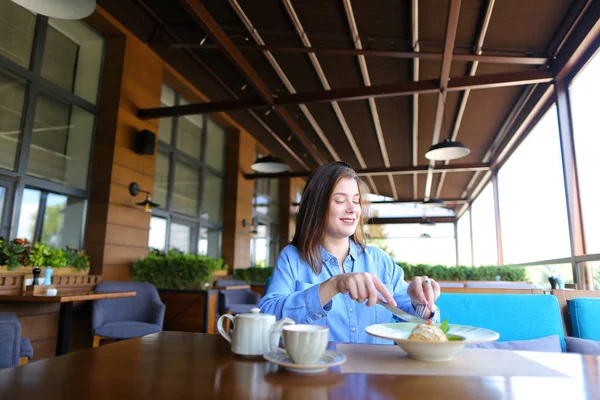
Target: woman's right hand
360 286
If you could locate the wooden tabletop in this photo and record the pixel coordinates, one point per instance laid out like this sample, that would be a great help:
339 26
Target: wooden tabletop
177 365
66 298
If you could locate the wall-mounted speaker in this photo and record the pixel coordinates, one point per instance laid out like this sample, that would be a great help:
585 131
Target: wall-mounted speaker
145 142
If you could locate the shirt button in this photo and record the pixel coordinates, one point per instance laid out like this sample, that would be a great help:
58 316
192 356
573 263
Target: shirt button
353 329
351 309
319 315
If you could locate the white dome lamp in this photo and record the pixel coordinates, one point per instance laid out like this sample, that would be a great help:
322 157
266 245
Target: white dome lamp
269 165
61 9
447 150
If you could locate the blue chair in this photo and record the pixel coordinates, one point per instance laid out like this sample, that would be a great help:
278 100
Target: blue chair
513 316
14 350
584 318
129 317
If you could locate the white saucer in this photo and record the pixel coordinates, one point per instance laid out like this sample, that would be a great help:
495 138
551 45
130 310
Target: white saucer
329 359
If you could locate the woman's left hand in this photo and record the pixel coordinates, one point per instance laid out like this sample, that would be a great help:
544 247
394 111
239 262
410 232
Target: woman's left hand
424 290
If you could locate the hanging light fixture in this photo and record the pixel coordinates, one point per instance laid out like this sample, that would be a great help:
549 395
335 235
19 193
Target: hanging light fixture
269 165
447 150
148 204
62 9
427 221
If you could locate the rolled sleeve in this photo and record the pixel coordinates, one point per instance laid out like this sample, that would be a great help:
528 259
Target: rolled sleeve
312 301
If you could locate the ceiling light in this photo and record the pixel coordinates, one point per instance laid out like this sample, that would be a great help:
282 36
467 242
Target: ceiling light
62 9
148 204
269 165
447 150
427 221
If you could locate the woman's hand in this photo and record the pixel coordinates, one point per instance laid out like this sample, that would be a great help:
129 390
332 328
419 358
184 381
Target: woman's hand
360 286
424 290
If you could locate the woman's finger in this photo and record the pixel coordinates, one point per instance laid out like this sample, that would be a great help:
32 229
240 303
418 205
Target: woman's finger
417 289
436 289
429 295
352 289
363 292
373 295
384 292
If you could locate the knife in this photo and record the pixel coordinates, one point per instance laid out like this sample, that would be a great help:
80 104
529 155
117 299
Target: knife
401 313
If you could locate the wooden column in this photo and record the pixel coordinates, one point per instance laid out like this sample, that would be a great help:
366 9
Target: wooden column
497 217
238 200
117 229
582 272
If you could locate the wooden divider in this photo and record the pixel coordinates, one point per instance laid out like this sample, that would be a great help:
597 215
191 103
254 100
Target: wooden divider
564 296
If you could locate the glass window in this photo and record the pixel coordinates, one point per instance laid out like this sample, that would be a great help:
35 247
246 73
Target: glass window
584 94
415 243
2 201
531 191
212 198
595 267
11 115
30 208
161 179
189 134
73 57
485 249
180 237
64 219
186 189
165 125
463 229
17 26
209 242
61 142
215 143
158 233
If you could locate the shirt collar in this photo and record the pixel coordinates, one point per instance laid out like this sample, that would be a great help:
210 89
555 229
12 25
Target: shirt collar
354 249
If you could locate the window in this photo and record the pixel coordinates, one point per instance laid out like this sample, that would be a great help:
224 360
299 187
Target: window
531 193
485 248
586 119
188 182
49 85
51 218
463 230
264 244
415 243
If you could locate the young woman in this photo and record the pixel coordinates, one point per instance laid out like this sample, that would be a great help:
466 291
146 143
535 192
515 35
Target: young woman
327 276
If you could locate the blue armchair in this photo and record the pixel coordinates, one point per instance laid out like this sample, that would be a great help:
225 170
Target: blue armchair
14 349
129 317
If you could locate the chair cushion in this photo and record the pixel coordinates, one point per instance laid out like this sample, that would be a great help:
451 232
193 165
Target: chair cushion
26 349
142 308
126 329
584 318
582 346
549 344
513 316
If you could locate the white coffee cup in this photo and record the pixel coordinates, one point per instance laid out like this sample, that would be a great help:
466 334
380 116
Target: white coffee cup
305 343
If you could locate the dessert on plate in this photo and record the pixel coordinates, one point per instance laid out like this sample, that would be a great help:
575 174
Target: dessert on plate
428 332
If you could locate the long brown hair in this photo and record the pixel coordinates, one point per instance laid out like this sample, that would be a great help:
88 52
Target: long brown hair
311 221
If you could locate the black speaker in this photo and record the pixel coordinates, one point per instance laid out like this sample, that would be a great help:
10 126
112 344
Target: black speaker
145 142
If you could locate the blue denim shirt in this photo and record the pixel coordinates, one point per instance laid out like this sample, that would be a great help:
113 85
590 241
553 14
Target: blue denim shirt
294 293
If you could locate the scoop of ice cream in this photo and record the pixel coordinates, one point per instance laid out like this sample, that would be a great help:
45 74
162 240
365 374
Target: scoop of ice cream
428 333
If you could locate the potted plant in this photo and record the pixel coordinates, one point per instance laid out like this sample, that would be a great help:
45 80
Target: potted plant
67 261
14 256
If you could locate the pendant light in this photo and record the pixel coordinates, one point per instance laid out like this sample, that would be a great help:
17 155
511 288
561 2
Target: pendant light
433 203
61 9
447 149
148 204
269 165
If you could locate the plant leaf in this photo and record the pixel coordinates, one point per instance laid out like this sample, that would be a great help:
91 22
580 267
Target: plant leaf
444 326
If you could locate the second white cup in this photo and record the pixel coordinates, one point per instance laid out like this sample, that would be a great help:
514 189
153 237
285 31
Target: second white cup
305 343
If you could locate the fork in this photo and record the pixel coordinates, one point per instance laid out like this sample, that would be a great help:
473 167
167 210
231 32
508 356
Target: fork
401 313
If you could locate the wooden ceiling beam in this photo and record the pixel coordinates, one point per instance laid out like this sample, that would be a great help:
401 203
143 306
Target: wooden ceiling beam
360 93
408 55
419 169
415 99
409 220
201 15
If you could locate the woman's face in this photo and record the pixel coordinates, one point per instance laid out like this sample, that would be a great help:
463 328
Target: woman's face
344 209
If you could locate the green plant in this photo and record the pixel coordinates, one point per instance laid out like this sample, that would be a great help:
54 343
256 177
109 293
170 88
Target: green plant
461 273
43 255
256 275
77 259
175 270
14 253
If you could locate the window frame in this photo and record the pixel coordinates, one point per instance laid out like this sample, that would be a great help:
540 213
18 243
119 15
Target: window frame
35 83
176 155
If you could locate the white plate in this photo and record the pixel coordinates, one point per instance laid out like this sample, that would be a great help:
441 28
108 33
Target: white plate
431 351
329 359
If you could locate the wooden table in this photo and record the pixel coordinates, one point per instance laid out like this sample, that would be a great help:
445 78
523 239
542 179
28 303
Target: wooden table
66 310
177 365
